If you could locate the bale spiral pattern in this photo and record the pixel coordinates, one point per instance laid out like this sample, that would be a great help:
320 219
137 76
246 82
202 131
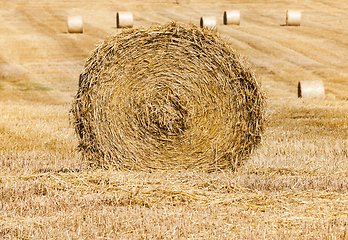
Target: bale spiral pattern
167 97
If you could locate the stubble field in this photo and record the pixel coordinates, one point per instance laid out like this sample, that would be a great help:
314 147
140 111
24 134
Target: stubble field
294 186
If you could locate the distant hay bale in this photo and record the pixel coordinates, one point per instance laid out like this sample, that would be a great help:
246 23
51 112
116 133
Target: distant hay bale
183 1
167 97
75 24
124 20
232 17
293 18
311 89
208 22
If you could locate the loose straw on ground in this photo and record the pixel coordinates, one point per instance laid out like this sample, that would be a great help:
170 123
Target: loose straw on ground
293 18
311 89
124 20
75 24
167 97
231 17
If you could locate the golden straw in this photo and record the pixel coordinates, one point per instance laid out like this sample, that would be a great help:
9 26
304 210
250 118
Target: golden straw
167 97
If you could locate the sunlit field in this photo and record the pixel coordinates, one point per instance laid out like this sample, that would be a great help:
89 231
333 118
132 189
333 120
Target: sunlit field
294 186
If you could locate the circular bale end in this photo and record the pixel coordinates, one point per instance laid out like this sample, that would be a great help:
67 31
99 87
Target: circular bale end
231 17
208 22
293 18
167 97
311 89
75 24
124 20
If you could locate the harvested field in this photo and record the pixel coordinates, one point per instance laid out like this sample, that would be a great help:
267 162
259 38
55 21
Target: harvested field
293 186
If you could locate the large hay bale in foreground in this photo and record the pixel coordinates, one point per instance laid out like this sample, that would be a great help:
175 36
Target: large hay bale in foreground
167 97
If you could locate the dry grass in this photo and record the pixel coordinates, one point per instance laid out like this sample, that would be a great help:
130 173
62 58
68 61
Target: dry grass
300 194
293 187
172 205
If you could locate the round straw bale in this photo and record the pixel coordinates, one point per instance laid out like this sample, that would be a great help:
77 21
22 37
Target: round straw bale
311 89
232 17
167 97
124 20
293 18
208 21
183 1
75 24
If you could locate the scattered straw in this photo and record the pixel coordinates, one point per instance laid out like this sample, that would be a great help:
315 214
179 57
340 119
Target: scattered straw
167 97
